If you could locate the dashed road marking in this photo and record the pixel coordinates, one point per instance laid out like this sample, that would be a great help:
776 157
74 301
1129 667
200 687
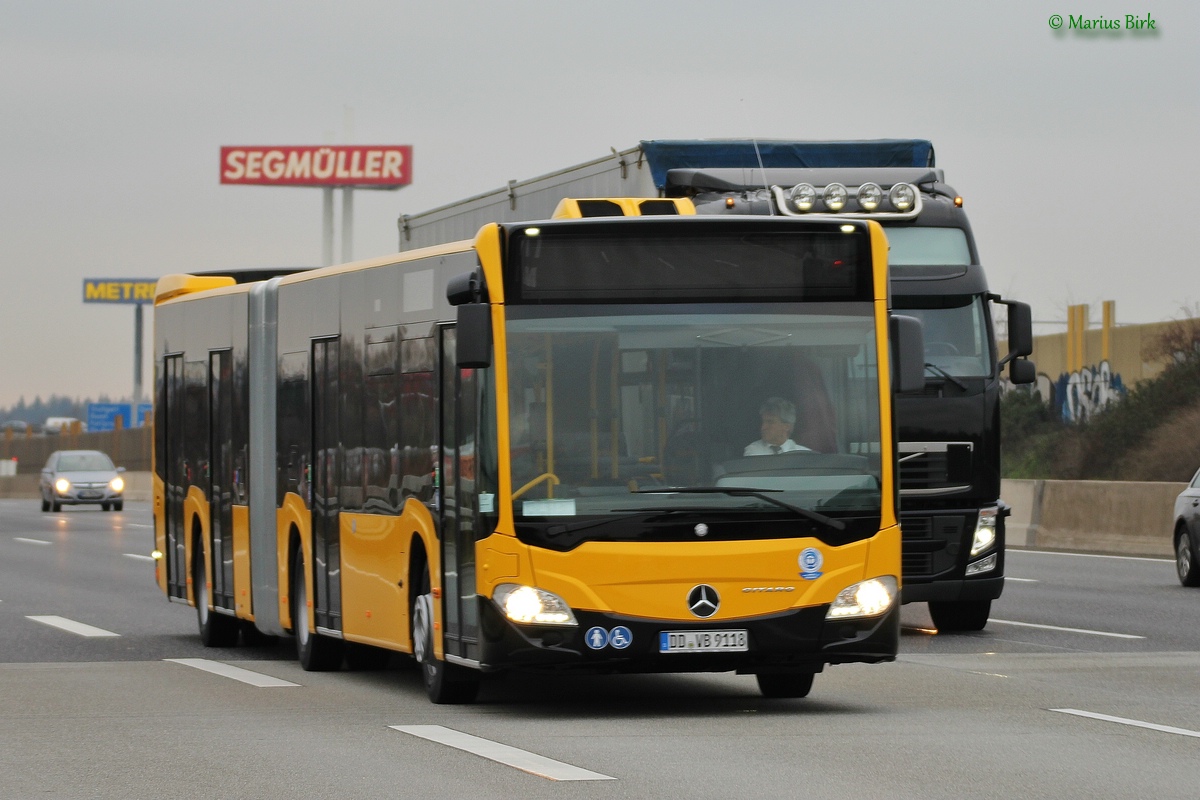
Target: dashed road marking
139 556
501 753
229 671
1123 721
71 626
1020 580
30 541
1065 630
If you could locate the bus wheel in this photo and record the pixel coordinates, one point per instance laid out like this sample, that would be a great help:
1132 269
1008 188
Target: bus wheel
216 630
317 653
446 684
784 684
959 617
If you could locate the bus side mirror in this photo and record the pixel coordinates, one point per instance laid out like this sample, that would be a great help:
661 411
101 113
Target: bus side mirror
908 353
474 337
1021 371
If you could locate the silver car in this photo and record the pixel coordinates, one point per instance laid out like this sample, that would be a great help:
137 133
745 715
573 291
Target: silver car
1187 533
78 477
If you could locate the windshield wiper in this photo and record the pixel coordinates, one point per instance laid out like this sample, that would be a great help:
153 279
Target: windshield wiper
734 491
943 374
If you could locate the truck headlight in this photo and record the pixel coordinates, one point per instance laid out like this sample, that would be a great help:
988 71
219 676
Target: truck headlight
870 195
835 196
868 598
804 195
902 196
532 606
985 530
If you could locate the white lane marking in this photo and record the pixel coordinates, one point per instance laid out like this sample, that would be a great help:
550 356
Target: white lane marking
503 754
1090 555
30 541
137 525
1123 721
228 671
72 626
139 556
1020 580
1066 630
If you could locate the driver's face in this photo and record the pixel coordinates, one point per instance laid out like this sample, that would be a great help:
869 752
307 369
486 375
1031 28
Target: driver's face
774 430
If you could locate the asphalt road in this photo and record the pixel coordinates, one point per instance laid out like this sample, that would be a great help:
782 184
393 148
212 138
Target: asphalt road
1085 684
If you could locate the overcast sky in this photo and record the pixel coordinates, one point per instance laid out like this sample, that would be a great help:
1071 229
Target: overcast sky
1076 154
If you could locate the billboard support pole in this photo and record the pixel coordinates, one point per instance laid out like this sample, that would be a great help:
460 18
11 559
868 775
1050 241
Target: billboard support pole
327 225
137 355
347 224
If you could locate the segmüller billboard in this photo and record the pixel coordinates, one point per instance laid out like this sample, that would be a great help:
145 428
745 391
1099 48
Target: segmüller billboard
359 166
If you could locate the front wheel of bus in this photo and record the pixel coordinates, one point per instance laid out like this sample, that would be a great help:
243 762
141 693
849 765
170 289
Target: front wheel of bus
784 684
317 653
446 684
960 617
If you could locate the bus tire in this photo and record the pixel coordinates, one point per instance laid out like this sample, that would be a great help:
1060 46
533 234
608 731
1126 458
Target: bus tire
316 653
961 616
445 684
784 684
216 630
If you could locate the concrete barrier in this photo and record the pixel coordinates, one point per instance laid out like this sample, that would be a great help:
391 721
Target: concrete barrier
1116 517
137 486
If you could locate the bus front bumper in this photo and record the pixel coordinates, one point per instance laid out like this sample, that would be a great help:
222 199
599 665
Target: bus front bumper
800 640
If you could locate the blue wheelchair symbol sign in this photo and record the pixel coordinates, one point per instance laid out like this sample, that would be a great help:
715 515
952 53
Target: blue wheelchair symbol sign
596 638
620 637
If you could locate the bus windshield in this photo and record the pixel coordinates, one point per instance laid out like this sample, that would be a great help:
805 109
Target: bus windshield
612 408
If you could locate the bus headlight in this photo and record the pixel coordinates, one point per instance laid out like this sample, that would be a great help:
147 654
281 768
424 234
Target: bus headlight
804 196
902 196
985 530
835 196
532 606
117 484
869 196
868 598
62 485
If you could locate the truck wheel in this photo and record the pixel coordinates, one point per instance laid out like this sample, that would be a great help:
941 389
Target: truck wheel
1187 566
960 617
784 684
317 653
445 684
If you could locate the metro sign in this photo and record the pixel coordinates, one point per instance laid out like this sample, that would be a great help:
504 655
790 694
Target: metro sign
364 166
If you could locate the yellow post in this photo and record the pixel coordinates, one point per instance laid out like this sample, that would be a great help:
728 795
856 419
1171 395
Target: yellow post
1110 319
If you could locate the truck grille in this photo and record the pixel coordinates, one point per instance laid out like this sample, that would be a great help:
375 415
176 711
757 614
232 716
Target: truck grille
930 545
934 467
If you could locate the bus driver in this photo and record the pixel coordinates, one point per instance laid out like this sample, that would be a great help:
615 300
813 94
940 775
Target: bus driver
778 420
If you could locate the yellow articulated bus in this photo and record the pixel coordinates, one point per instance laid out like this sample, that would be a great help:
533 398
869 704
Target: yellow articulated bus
623 444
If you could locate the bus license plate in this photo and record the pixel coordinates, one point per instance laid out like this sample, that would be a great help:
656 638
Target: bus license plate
735 641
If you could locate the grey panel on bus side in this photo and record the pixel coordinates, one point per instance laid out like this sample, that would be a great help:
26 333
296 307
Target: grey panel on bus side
264 566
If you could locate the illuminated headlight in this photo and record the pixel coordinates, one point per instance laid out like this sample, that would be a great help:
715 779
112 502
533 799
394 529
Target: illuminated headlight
902 196
835 196
982 565
804 196
117 484
869 598
985 531
531 606
62 485
869 196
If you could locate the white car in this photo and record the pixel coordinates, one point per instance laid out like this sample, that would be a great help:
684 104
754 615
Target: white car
1187 533
79 477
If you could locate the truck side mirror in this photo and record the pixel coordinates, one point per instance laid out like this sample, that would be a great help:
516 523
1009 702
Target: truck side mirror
474 338
1020 330
908 353
1021 371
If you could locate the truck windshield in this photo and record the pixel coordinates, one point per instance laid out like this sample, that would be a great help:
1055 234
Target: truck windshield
608 402
912 246
956 334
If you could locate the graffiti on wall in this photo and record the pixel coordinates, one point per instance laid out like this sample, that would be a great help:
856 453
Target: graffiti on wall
1079 395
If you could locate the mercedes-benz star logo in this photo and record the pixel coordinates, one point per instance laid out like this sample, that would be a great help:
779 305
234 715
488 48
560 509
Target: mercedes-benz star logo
703 601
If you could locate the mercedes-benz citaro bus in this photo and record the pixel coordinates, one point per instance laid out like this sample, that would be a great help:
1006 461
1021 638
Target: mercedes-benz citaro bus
549 447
